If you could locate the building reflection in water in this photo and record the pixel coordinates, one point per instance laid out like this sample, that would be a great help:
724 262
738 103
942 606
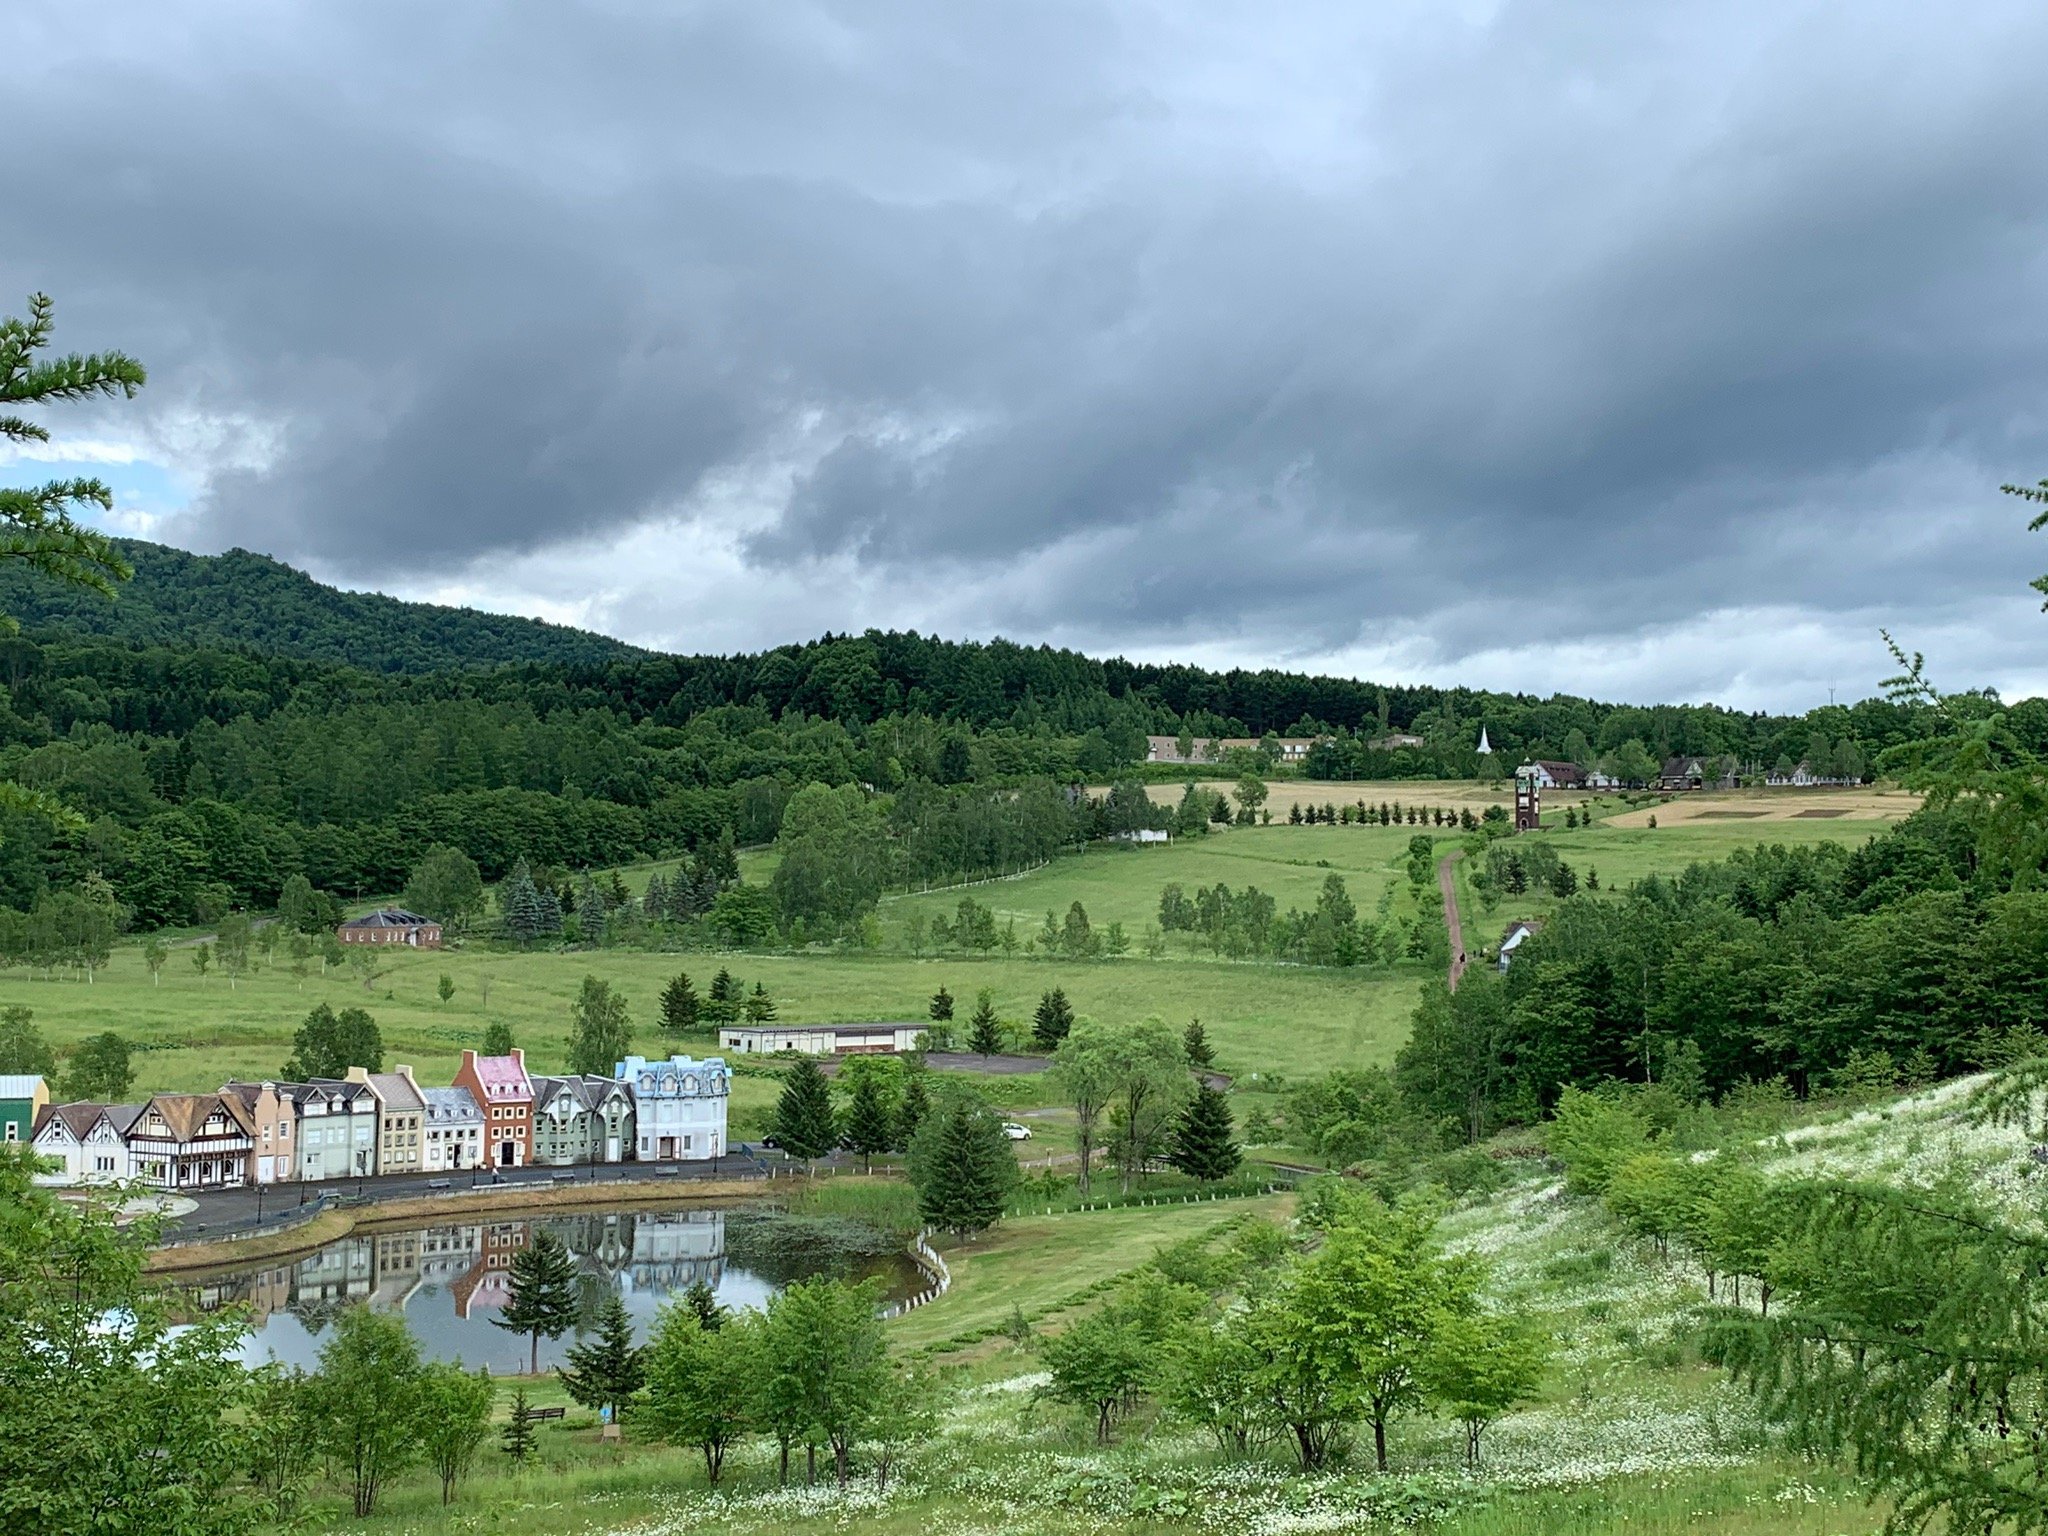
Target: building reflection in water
450 1281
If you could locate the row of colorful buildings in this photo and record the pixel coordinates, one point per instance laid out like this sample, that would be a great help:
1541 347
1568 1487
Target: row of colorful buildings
494 1115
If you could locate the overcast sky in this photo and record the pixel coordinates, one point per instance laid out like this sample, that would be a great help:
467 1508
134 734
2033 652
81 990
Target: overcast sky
1641 351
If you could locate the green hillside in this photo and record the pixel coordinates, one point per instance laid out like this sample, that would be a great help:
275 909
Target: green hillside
243 599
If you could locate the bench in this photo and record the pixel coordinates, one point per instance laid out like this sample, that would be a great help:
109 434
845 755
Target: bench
545 1413
668 1173
437 1183
565 1174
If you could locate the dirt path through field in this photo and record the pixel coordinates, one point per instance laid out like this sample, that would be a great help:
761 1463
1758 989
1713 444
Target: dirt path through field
1448 884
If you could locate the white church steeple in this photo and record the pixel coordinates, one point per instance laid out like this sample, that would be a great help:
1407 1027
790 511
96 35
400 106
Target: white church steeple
1484 749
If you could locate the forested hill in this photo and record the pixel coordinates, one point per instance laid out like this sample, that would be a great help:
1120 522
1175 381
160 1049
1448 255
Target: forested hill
243 599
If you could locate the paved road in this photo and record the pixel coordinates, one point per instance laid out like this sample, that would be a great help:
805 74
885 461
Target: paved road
237 1207
1447 883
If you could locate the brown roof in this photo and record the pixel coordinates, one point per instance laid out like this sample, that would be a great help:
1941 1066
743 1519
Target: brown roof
185 1113
78 1118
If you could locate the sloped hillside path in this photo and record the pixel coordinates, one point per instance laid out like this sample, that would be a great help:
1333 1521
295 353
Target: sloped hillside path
1447 883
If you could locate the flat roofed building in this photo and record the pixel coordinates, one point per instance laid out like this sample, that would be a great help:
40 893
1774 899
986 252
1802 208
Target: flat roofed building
820 1039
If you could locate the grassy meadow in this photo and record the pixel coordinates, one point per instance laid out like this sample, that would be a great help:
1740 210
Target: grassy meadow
191 1032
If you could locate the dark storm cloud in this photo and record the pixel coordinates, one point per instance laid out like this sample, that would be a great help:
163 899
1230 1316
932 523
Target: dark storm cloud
1312 326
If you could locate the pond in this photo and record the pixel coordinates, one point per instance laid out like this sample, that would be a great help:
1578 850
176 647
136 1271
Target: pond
450 1279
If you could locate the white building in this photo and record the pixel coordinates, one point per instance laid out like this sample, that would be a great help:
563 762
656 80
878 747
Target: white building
1512 941
820 1039
455 1130
679 1106
88 1141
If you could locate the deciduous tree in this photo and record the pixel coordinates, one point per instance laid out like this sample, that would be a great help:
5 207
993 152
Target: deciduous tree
600 1034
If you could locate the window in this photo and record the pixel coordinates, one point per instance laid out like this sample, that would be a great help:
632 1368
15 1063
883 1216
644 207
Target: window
13 1131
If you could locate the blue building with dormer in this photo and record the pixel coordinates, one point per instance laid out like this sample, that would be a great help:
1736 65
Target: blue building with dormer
679 1106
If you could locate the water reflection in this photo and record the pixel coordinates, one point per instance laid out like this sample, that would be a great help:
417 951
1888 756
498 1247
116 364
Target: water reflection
450 1280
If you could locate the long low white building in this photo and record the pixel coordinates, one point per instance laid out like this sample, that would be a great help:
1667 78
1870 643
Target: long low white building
820 1039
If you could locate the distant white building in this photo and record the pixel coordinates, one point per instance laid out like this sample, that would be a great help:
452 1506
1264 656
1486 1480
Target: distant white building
1144 835
679 1106
1512 941
820 1039
1485 748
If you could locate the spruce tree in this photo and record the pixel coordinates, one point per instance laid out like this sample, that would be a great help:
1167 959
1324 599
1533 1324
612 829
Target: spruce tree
607 1371
941 1009
911 1113
869 1126
1196 1041
759 1006
984 1032
519 901
679 1007
804 1123
550 913
1055 1017
518 1435
1203 1146
962 1167
654 900
543 1301
722 1002
703 1301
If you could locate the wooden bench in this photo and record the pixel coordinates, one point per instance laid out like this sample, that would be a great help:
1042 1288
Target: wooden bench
545 1413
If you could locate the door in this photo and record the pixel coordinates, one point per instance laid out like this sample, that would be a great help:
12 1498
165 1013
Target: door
611 1149
504 1154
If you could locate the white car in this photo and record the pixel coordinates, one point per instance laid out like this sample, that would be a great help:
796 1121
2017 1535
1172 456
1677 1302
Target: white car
1015 1131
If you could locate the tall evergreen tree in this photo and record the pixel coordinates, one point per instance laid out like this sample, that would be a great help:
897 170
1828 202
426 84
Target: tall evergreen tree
984 1030
654 900
804 1123
703 1301
759 1006
1203 1144
722 1002
1055 1017
543 1301
679 1006
1196 1039
911 1113
941 1009
869 1126
520 904
36 525
607 1371
962 1166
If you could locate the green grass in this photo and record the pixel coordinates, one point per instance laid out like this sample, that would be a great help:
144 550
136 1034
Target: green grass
1624 855
1265 1018
192 1033
1034 1262
1123 884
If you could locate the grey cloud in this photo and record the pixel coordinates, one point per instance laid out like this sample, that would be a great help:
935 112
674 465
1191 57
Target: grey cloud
1319 327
